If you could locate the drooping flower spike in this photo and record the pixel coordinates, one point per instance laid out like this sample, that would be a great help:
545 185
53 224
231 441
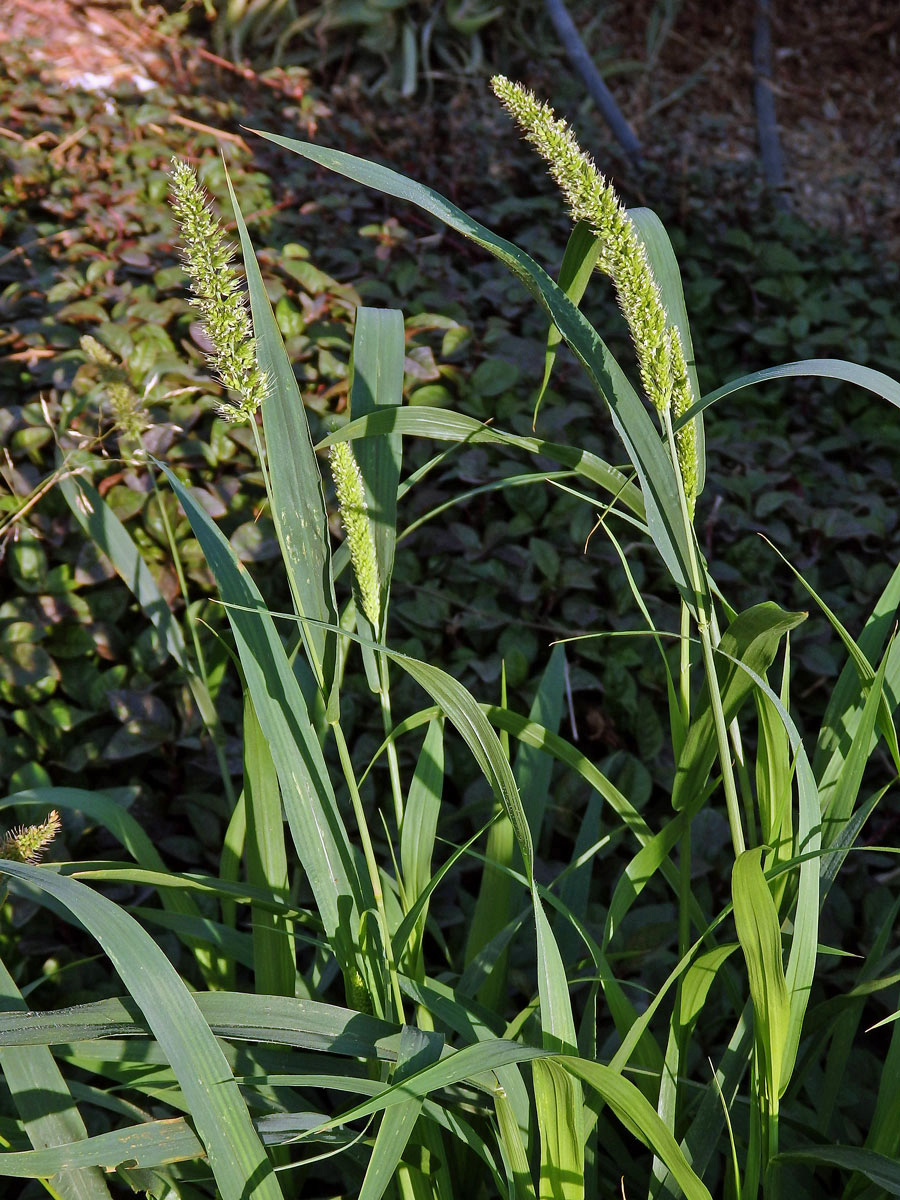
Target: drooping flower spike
592 199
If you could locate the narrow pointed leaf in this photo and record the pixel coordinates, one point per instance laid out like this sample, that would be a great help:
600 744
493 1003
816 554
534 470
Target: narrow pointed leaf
238 1160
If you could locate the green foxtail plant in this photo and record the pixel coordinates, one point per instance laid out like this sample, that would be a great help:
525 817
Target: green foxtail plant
343 1026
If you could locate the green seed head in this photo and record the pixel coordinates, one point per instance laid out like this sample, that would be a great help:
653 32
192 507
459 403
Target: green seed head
27 843
221 304
351 497
128 411
622 257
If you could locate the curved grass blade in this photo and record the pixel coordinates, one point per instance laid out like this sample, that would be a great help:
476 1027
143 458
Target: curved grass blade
240 1164
645 448
880 1170
845 704
759 934
826 368
638 1116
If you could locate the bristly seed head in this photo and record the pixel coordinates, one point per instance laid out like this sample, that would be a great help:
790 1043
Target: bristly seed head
27 843
215 283
622 256
351 497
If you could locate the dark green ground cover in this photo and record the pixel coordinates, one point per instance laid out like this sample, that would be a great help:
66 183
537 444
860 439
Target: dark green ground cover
87 696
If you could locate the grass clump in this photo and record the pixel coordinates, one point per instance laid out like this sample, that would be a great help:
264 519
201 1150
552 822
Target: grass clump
332 1016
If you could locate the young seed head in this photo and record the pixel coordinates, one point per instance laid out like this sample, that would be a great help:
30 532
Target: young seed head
622 257
351 497
27 843
128 411
219 300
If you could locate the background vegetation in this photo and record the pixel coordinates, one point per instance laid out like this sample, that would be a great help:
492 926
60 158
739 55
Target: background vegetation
89 695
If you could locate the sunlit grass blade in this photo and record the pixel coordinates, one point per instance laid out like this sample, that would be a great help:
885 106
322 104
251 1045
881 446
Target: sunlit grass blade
46 1107
238 1160
645 449
860 662
297 498
320 837
513 1148
559 1110
274 959
759 934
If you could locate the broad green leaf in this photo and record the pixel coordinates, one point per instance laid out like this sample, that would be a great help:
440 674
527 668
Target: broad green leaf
298 501
759 934
45 1105
579 260
443 424
239 1163
752 639
559 1108
274 961
631 419
668 276
320 837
